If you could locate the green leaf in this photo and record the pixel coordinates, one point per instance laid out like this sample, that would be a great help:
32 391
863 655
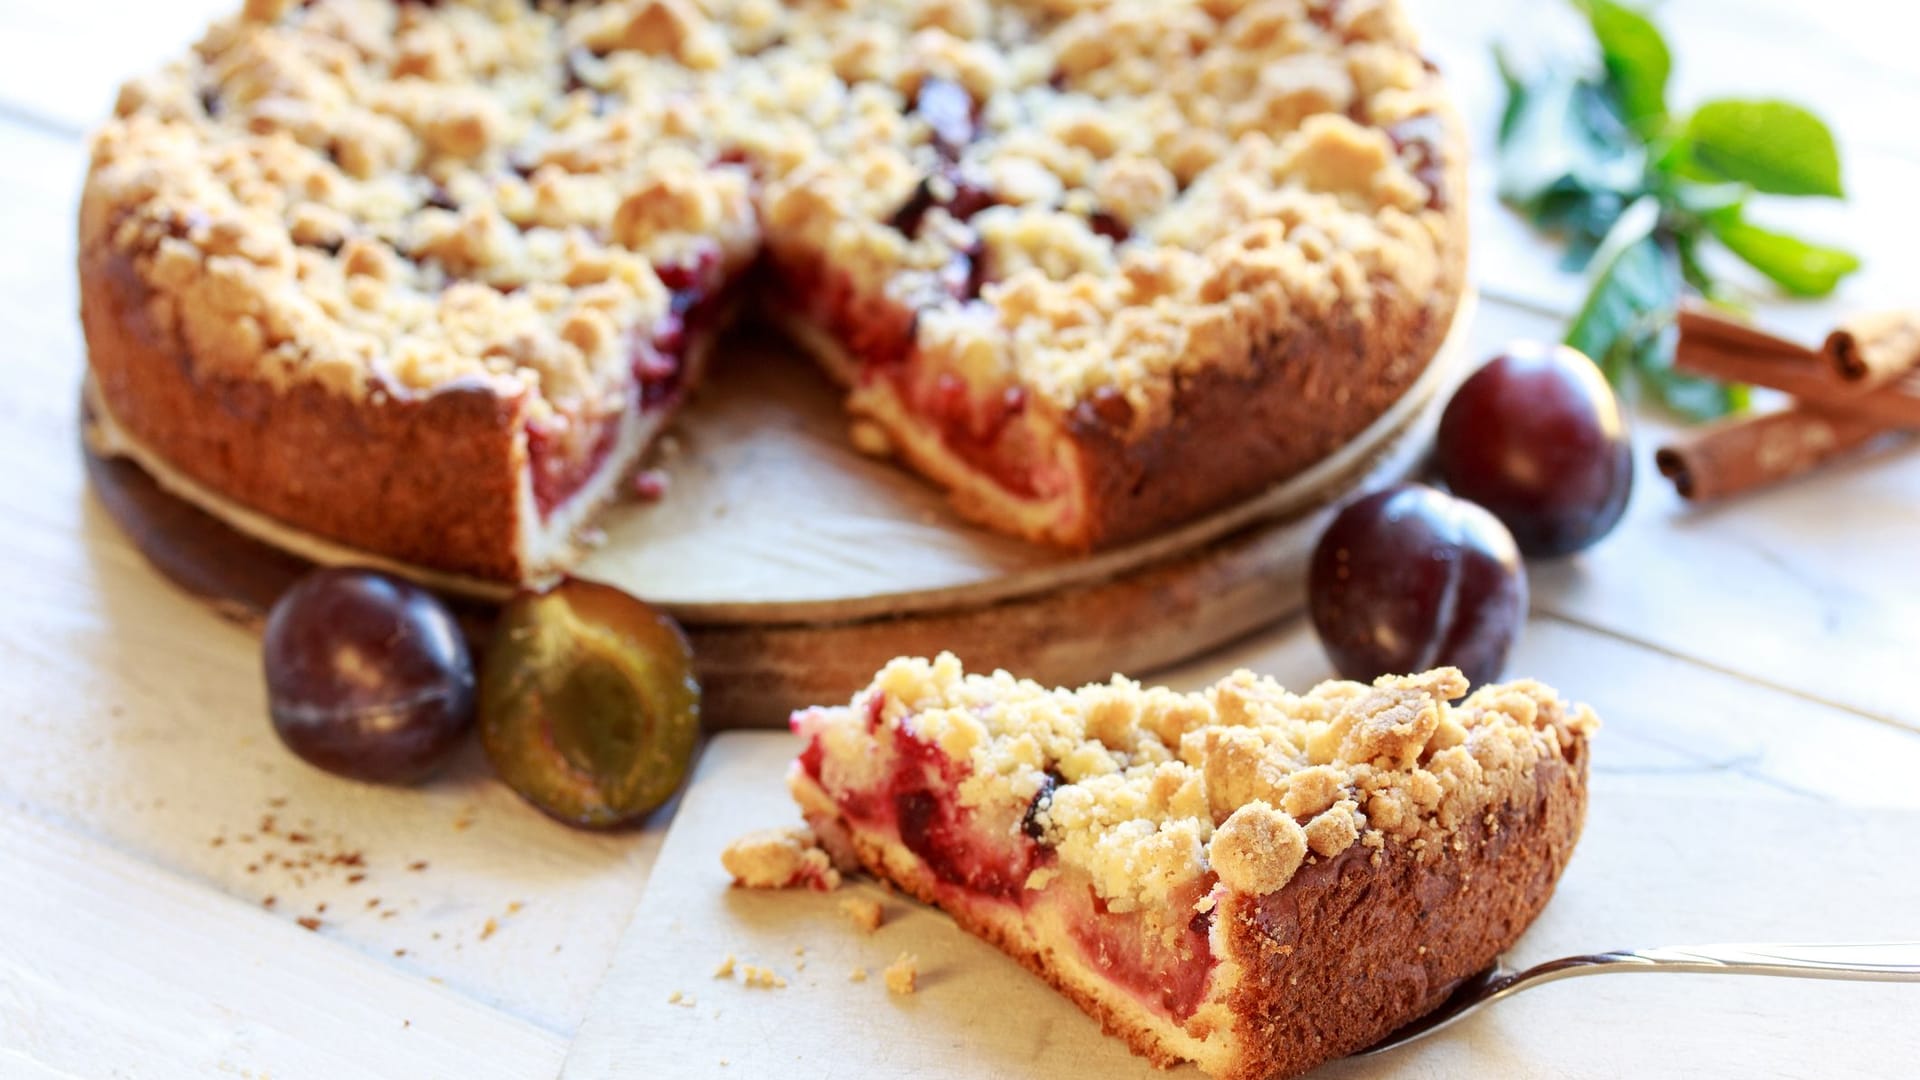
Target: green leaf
1798 266
1632 278
1567 158
1778 147
1637 60
1516 93
1702 201
1626 324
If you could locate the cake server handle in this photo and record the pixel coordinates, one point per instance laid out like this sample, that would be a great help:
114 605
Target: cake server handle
1894 961
1897 961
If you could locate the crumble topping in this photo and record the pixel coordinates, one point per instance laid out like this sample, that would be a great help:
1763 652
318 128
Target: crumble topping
1147 791
402 197
761 978
780 859
865 911
903 975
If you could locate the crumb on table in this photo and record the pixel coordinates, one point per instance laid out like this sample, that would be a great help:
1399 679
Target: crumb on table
865 911
903 974
780 859
761 978
725 970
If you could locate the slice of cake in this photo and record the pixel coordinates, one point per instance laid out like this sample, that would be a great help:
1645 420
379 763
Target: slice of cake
1250 879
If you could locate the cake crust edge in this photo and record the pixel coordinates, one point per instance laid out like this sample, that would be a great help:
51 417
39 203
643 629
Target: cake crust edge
1337 960
432 480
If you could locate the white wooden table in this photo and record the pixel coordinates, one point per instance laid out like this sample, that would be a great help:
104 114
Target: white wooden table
157 846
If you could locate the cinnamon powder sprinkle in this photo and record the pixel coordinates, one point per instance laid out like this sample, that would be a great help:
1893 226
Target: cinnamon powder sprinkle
309 922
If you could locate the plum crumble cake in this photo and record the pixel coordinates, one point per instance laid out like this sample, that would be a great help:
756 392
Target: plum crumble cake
425 278
1246 878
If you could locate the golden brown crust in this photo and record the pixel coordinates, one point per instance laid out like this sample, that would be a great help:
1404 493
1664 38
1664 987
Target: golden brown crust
1230 436
432 480
1360 944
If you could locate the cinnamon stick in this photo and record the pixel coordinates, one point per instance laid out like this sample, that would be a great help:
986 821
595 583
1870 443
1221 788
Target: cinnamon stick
1749 452
1704 327
1895 403
1872 349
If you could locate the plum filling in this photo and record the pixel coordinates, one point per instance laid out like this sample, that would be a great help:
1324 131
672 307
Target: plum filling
1168 974
565 456
1166 970
981 426
915 799
982 432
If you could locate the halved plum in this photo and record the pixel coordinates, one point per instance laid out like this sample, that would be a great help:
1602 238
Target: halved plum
588 704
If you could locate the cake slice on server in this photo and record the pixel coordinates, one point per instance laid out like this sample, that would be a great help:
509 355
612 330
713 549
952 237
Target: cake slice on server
1250 879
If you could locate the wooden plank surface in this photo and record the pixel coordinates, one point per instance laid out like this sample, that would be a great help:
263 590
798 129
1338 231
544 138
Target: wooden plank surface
114 968
1653 868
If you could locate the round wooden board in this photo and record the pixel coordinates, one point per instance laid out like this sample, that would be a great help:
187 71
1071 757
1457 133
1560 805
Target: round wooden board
799 567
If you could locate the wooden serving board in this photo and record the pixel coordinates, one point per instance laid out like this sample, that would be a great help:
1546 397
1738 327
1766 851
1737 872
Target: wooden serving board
799 567
1649 871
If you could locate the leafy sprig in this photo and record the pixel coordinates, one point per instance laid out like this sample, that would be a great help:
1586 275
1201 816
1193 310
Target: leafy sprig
1597 156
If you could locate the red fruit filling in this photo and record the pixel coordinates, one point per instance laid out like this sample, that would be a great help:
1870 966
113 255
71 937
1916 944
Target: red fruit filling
1170 976
917 801
564 457
977 426
981 431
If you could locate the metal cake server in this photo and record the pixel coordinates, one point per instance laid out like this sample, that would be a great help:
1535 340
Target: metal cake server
1881 962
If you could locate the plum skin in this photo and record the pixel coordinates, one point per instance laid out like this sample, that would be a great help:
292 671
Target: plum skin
1538 438
368 675
1409 579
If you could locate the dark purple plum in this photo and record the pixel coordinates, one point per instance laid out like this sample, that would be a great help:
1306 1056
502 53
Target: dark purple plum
368 676
1411 578
1537 437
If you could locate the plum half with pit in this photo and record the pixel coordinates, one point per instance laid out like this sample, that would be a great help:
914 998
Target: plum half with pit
1411 578
588 704
368 675
1537 437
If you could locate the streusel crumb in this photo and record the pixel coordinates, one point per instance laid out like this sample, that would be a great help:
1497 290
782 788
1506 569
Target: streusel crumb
780 859
761 978
865 912
903 975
